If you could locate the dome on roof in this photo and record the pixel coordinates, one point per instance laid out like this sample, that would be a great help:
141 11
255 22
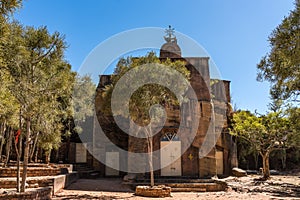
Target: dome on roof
170 50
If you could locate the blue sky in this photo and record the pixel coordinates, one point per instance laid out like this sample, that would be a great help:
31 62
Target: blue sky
233 32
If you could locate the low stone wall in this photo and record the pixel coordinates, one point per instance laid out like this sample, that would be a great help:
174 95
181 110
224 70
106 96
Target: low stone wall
36 194
63 181
35 171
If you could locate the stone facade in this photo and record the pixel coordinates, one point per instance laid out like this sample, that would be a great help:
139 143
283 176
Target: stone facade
213 105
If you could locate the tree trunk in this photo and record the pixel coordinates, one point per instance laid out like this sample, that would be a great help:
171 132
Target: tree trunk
34 147
2 138
57 160
266 165
18 164
1 147
19 152
150 153
47 156
283 158
36 155
151 162
26 155
8 146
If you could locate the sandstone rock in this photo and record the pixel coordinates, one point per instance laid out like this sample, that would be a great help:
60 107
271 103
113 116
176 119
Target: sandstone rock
155 191
239 172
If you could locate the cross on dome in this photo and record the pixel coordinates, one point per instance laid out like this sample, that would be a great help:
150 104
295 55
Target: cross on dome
170 35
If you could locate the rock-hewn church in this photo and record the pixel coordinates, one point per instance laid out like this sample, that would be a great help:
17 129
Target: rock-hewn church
213 105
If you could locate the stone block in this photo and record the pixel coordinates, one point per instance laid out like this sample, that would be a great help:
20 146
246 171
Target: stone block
238 172
155 191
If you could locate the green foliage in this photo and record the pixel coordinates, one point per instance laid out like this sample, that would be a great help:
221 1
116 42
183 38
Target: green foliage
83 100
281 66
36 83
149 94
266 133
36 80
294 116
8 105
9 6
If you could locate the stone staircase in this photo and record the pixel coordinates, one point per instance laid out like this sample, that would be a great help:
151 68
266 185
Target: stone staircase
86 171
186 184
56 176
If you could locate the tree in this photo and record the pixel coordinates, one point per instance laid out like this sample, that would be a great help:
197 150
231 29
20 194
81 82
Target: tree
36 84
265 133
143 109
40 76
8 112
281 66
8 104
295 118
6 10
83 100
8 7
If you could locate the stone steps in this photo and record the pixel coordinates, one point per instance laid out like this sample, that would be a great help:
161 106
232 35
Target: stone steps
31 172
33 183
86 171
188 190
187 181
36 170
56 182
188 185
90 174
195 187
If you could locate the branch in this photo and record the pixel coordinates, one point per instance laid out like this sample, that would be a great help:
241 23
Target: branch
46 54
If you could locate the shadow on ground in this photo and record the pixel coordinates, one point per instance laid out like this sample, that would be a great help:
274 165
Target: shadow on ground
86 196
276 189
104 185
95 189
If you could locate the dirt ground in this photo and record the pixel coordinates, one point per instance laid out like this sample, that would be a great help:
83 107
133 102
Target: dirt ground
250 187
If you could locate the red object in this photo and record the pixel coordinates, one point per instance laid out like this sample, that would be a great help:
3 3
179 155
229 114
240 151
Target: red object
18 133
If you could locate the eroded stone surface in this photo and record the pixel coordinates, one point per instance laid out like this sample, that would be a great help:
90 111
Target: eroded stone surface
155 191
